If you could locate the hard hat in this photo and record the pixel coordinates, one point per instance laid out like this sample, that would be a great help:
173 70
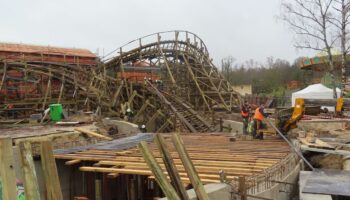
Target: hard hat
143 126
128 110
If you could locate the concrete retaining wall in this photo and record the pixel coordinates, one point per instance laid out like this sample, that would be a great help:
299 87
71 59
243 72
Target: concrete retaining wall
283 191
322 125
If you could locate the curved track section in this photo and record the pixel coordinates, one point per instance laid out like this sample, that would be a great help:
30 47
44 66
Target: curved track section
185 67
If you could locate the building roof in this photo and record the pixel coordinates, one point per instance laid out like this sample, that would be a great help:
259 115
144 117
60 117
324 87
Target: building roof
36 49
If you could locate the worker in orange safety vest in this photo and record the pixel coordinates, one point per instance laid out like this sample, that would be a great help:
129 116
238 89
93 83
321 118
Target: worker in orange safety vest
259 115
245 113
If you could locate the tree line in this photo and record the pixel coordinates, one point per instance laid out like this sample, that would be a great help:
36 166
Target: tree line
270 77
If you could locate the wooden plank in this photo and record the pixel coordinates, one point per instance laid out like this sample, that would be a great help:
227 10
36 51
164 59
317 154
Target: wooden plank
161 179
191 171
72 162
51 178
171 168
31 187
7 171
93 134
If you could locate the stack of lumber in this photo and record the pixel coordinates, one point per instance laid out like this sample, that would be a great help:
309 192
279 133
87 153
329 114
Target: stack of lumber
209 153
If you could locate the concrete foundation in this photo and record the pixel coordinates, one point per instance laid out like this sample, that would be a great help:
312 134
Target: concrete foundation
217 191
280 191
322 125
283 191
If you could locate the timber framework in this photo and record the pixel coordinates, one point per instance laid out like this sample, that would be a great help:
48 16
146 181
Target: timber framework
34 77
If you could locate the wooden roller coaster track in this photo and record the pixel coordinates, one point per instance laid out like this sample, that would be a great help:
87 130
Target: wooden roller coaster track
190 83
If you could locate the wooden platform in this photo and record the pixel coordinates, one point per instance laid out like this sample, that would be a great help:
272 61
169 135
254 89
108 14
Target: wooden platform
209 153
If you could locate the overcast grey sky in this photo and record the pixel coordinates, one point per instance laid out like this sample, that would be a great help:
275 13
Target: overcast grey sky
243 29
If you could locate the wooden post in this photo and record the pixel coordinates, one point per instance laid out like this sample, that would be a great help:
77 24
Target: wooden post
161 178
221 125
3 76
171 168
48 88
48 163
31 187
242 188
190 170
7 171
132 188
98 194
166 62
61 89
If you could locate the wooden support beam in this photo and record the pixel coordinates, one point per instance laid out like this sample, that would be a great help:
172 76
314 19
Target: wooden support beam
116 94
3 76
141 110
161 179
171 168
72 162
191 171
51 178
161 129
92 134
31 187
131 99
242 188
7 170
61 89
165 60
112 175
196 83
152 119
98 189
48 88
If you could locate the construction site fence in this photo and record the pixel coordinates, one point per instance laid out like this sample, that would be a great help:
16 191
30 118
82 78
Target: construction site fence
268 178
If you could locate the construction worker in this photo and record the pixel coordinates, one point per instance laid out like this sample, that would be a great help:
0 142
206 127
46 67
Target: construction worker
258 118
129 114
245 110
143 128
145 81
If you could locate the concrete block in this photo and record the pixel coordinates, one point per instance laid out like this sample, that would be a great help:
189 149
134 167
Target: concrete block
215 191
235 126
124 127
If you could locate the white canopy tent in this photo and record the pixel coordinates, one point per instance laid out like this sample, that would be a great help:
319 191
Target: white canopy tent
316 91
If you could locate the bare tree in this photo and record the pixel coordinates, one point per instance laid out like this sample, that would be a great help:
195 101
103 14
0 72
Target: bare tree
311 21
227 67
340 20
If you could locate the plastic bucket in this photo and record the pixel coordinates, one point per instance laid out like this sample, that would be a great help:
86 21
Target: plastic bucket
56 111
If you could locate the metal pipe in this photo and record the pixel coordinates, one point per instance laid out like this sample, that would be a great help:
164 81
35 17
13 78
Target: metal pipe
291 145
